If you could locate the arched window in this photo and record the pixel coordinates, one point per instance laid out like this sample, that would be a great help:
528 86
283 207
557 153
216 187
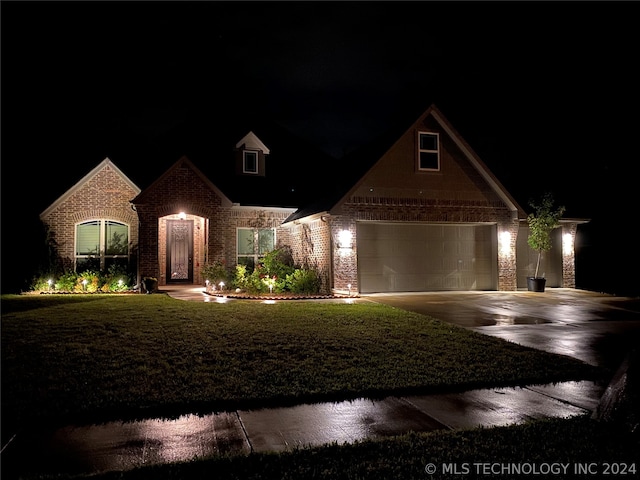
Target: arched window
100 244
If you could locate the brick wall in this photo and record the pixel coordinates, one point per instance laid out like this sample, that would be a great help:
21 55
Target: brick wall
310 244
106 195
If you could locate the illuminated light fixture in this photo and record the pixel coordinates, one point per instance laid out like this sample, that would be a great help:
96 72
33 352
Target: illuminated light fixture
50 282
221 285
505 243
182 215
344 239
567 244
349 287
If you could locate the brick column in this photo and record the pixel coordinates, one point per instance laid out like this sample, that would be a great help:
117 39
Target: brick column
148 245
507 271
344 257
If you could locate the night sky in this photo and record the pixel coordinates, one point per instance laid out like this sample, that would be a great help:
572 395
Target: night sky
545 92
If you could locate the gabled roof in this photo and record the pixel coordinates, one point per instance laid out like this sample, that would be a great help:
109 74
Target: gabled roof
182 162
251 142
80 184
212 146
358 163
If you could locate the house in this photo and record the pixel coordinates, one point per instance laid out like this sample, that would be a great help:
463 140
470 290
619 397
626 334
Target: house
418 211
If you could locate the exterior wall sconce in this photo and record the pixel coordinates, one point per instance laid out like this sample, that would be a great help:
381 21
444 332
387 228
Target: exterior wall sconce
567 244
182 216
505 243
344 239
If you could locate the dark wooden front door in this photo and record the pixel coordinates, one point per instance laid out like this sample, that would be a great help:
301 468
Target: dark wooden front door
179 251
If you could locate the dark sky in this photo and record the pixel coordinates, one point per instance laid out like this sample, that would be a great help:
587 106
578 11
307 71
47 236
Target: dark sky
545 92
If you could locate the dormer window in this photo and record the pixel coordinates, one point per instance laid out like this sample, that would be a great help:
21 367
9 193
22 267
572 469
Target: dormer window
250 156
428 151
250 162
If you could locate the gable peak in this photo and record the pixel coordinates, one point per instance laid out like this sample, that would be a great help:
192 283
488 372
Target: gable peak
251 142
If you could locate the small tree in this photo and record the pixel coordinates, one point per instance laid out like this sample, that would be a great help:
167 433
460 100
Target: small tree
542 221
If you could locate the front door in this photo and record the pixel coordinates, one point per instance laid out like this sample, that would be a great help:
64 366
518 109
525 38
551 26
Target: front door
179 251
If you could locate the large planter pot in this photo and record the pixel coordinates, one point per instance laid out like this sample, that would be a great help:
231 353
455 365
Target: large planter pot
536 284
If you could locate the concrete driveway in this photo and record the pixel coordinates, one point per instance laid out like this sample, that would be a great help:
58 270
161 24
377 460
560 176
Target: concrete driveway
594 327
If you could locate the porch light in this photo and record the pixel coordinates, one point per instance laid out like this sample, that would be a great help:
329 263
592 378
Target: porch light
567 244
182 216
344 239
505 243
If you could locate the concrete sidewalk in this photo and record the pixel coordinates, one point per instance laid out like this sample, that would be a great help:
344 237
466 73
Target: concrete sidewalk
118 446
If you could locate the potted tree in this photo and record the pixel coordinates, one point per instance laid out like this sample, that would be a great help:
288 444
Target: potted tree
542 221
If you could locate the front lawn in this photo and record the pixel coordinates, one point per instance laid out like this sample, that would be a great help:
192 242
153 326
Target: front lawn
101 357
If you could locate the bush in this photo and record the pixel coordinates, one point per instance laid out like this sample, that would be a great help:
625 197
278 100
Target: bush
216 272
276 273
67 282
116 279
88 281
303 281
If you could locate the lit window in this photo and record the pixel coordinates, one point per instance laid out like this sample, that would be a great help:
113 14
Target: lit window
253 244
100 244
250 162
428 151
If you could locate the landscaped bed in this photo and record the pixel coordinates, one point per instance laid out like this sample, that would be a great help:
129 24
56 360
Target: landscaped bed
100 357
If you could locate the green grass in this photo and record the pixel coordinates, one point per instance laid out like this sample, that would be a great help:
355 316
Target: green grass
102 357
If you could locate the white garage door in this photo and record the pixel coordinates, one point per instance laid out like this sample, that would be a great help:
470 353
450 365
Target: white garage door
416 258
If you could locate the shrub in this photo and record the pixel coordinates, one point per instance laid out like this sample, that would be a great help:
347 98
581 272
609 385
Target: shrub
88 281
67 281
303 281
216 272
117 279
276 273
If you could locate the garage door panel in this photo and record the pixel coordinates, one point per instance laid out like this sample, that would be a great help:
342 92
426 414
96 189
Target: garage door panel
396 257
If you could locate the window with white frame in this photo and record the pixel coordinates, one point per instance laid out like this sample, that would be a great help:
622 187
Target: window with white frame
253 244
100 244
428 151
250 161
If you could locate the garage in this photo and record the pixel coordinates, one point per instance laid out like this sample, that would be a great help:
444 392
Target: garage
395 257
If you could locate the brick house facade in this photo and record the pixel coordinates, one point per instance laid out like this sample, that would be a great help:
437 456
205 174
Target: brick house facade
423 213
